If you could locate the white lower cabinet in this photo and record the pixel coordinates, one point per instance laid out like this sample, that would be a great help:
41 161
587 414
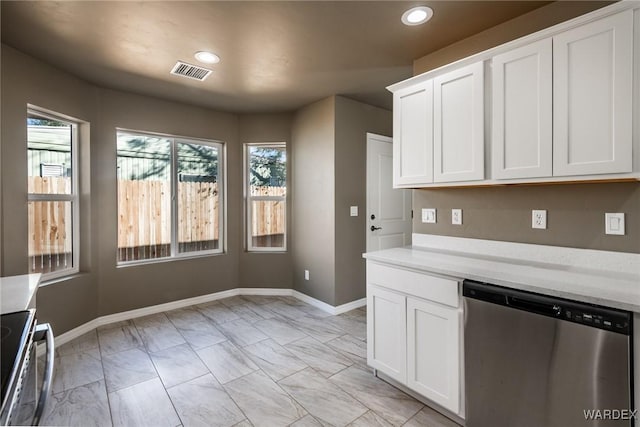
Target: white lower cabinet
433 363
414 332
386 332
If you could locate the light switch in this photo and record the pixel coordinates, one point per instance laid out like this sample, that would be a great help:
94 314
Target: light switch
429 216
614 223
354 211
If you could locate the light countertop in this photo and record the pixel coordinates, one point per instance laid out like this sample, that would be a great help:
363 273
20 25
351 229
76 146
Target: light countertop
607 287
17 292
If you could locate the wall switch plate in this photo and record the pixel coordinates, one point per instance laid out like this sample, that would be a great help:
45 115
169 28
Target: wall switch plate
456 216
429 216
353 211
539 219
614 223
306 275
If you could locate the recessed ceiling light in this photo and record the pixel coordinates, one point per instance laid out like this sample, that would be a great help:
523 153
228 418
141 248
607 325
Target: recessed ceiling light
417 15
207 57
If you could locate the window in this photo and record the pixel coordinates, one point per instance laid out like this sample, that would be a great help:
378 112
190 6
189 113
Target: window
266 196
52 194
170 196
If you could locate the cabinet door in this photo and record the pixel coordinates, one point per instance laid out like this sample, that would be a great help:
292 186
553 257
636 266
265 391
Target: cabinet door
522 112
433 346
592 110
413 135
458 143
387 332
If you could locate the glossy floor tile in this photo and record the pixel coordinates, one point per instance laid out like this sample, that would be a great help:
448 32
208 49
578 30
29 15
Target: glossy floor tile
324 400
242 361
264 401
384 399
320 357
280 330
179 364
144 404
127 368
203 402
275 360
157 332
86 405
118 337
226 361
77 369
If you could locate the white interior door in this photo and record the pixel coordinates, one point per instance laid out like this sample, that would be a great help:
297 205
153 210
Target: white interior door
388 209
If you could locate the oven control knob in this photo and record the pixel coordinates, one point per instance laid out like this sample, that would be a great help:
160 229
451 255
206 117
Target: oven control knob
557 310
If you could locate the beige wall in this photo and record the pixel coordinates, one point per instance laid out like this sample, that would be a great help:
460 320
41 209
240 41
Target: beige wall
101 288
544 17
575 214
73 301
267 270
313 180
329 176
126 288
575 211
353 121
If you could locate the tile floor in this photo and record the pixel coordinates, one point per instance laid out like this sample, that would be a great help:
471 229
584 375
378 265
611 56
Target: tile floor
240 361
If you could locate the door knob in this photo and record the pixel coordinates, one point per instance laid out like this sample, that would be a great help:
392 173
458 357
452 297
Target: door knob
374 228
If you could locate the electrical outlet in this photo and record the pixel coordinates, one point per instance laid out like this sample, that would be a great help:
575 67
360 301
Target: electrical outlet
429 216
456 216
306 275
539 219
614 223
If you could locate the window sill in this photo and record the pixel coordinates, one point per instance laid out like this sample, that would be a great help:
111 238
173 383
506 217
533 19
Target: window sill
71 275
138 263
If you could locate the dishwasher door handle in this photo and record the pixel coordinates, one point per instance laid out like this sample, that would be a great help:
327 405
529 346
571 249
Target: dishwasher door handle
44 332
534 306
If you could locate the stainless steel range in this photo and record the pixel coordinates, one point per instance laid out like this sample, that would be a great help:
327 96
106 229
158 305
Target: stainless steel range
23 402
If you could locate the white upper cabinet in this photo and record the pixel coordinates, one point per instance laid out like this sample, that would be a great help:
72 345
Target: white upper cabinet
559 108
522 86
413 135
592 97
458 128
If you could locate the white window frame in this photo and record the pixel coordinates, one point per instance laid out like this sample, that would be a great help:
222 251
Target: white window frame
73 197
248 198
174 249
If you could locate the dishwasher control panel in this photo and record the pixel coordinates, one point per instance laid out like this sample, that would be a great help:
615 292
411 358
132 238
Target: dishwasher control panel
591 315
598 320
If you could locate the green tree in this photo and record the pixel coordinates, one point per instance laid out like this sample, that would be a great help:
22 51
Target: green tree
267 166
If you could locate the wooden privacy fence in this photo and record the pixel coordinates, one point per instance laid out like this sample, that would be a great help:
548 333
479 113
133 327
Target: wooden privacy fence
144 215
267 216
198 213
49 225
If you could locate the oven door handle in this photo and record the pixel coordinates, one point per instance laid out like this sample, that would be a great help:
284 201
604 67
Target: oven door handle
44 332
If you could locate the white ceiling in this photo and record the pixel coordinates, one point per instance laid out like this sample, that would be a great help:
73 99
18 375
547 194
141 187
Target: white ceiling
276 55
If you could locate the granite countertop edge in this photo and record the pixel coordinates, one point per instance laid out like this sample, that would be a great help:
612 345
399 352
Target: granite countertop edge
622 291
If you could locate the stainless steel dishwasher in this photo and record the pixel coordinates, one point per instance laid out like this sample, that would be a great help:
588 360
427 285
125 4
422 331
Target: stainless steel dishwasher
538 361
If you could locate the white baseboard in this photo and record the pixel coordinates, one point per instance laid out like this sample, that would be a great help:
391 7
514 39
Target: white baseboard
145 311
278 292
328 307
351 306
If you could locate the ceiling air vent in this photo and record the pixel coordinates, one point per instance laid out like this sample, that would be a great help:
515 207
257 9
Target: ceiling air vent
190 71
